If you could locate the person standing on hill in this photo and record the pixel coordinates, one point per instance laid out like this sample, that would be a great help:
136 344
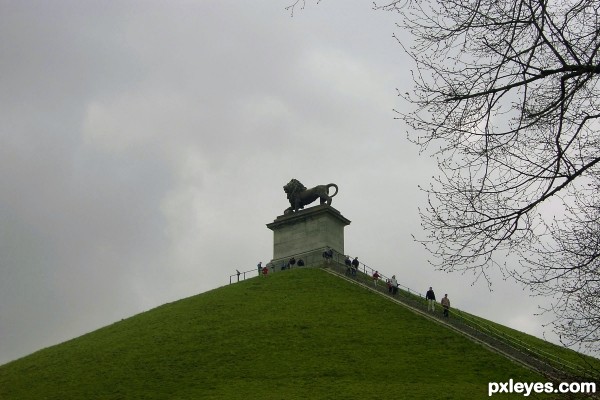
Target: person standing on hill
259 266
394 283
348 263
430 297
376 277
328 255
355 265
446 304
353 268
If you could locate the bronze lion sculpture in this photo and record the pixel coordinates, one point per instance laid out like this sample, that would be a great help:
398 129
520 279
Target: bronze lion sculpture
299 196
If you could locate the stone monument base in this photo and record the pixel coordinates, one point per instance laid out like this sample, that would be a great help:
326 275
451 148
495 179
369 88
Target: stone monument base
305 235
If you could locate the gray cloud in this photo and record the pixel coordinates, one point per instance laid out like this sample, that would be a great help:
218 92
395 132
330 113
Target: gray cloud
144 147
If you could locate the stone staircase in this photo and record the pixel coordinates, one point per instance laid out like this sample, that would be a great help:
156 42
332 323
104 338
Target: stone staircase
547 364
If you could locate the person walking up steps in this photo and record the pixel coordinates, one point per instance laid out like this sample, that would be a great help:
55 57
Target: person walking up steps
348 263
376 277
328 255
446 304
353 270
394 283
355 265
430 297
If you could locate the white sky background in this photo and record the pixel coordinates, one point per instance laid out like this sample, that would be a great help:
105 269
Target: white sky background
144 146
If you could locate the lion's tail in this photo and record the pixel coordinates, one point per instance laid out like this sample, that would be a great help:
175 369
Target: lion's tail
332 185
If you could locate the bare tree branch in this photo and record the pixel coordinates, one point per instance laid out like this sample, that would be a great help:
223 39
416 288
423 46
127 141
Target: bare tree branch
507 99
507 96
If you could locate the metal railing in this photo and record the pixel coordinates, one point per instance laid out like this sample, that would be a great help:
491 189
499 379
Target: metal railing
310 258
524 347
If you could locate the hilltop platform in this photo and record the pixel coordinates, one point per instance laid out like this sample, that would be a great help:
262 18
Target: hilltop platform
305 235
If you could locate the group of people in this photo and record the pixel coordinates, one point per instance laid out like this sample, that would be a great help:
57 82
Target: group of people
445 302
392 284
351 265
291 263
264 271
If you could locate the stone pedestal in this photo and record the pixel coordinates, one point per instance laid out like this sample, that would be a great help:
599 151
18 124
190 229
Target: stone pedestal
306 234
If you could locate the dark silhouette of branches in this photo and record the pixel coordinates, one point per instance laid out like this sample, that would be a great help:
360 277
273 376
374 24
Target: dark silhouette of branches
567 267
506 98
297 4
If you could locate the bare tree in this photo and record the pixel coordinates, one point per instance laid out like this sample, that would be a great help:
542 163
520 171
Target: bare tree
566 267
507 99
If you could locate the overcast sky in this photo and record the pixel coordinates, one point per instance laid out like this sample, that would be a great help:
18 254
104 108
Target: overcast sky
144 146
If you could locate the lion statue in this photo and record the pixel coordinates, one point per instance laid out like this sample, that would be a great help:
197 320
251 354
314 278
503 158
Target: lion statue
299 196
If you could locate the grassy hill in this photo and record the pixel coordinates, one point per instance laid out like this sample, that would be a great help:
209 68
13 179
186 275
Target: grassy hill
301 334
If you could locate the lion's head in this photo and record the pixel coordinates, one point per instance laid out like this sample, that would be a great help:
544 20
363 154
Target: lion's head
293 188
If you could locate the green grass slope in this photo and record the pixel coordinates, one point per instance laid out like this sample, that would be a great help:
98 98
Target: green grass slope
301 334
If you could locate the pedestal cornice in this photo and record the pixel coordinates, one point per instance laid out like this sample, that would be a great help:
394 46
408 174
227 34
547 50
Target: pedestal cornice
311 212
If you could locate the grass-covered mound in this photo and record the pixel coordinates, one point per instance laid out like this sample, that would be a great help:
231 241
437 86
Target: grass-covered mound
301 334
